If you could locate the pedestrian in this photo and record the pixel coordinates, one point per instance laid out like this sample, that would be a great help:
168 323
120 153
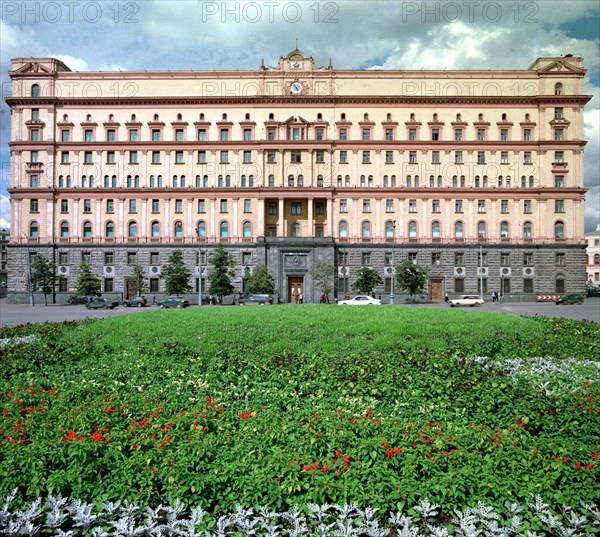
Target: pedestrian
321 298
493 296
154 300
446 297
300 297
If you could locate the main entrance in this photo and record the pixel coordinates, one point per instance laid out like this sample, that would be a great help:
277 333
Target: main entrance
295 289
436 289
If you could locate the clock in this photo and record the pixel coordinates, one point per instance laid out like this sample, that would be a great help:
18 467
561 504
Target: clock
296 87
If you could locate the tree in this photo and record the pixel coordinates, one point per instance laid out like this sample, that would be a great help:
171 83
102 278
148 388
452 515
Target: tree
43 275
323 276
260 281
176 274
367 279
88 284
137 284
220 278
411 277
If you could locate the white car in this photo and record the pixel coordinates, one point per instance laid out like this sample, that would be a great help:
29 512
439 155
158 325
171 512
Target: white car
466 300
361 300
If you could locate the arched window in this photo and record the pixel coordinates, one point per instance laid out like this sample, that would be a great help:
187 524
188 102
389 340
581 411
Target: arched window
198 181
319 180
508 181
220 181
174 181
205 181
152 182
69 183
228 181
224 229
271 180
527 230
84 182
132 229
109 230
251 181
531 181
35 90
201 229
133 117
178 229
178 117
296 230
435 229
389 229
64 230
301 180
61 181
412 230
113 181
523 181
155 229
247 116
347 181
370 181
559 230
182 181
224 117
271 116
481 230
439 181
408 181
290 180
431 181
454 181
363 179
243 181
129 181
504 230
560 284
87 229
343 116
385 181
558 89
366 230
91 181
596 259
458 230
343 229
159 182
155 117
485 181
201 116
34 230
500 180
416 181
477 181
247 230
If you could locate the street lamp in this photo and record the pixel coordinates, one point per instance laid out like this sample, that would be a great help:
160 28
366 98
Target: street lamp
31 299
392 302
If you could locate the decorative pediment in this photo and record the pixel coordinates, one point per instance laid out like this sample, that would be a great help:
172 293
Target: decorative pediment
562 65
33 68
293 119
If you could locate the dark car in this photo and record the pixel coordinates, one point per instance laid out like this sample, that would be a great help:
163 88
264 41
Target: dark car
101 303
173 302
572 298
139 301
261 300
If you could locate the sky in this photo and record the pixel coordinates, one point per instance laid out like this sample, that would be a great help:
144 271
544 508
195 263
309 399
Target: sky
390 34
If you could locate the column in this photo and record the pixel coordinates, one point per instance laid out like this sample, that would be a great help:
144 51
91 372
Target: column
144 224
190 222
167 225
281 218
329 231
212 217
311 227
260 220
74 231
235 231
120 233
98 225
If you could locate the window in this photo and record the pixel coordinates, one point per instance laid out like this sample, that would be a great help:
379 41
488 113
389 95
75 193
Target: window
320 133
389 206
65 135
133 135
435 134
132 229
559 157
247 156
504 230
320 156
34 135
223 206
366 157
34 157
559 206
559 230
156 135
527 230
87 229
559 113
389 232
247 206
412 206
435 206
110 230
558 89
527 157
64 230
296 208
481 206
179 157
132 258
87 206
559 134
201 135
224 135
343 134
527 135
412 230
435 157
271 156
435 229
155 157
458 157
412 157
480 157
560 284
504 206
247 229
296 156
224 157
528 285
132 206
481 230
33 206
64 206
458 206
459 259
178 206
64 157
527 206
272 208
366 259
34 181
436 258
458 135
366 206
366 135
481 135
412 257
559 181
458 230
504 135
528 259
35 114
560 260
343 206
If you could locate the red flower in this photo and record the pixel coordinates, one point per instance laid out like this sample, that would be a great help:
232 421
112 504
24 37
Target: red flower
596 455
325 469
515 444
384 444
96 436
577 465
589 466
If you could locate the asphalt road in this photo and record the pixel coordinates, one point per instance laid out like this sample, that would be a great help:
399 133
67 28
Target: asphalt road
12 314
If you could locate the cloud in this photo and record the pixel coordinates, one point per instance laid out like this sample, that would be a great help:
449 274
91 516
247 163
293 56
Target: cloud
4 211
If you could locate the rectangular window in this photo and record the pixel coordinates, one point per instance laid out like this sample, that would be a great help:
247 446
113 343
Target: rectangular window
178 206
412 157
155 157
435 157
202 135
132 258
247 206
179 135
559 181
272 208
389 134
33 206
179 157
559 113
154 285
342 258
34 135
503 157
528 285
480 157
366 206
133 157
156 135
366 135
343 157
320 156
389 157
527 135
458 206
459 259
560 260
35 114
412 135
481 206
109 285
109 258
366 157
458 157
155 206
201 206
201 157
63 258
223 206
528 259
435 134
412 206
224 135
296 208
435 206
458 135
64 206
527 157
64 157
224 159
389 206
343 134
319 208
34 156
559 157
154 258
504 135
481 135
86 257
110 206
505 260
65 135
320 133
412 257
271 156
133 135
459 285
111 135
343 206
296 155
87 206
436 258
132 206
110 157
87 157
247 157
504 206
527 206
559 206
559 134
366 259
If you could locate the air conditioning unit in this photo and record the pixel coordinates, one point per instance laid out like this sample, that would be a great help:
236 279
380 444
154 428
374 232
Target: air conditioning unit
343 272
62 271
204 271
528 272
482 271
459 272
389 271
154 272
108 272
505 272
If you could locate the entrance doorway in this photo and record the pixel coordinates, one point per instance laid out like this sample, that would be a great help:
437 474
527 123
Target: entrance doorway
128 286
295 289
436 289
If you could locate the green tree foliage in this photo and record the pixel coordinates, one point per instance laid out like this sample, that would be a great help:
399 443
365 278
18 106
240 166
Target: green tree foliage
323 276
176 274
138 283
88 284
367 279
220 278
411 277
43 275
260 281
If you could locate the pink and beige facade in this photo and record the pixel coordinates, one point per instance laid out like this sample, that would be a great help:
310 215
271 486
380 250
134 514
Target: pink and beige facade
296 165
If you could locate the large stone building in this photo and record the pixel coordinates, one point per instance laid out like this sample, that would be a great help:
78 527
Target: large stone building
477 175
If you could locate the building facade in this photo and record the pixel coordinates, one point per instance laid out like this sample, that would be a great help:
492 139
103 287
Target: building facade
593 257
477 175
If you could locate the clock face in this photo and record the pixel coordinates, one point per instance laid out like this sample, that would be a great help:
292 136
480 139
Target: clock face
296 87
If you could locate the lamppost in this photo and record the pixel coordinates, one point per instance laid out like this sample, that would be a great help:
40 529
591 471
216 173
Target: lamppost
31 299
392 302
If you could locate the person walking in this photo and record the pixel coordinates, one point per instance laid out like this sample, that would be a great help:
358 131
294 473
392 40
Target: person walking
446 297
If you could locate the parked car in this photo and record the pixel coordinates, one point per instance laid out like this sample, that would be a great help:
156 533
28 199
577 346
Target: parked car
261 300
572 298
101 303
466 300
139 301
361 300
173 302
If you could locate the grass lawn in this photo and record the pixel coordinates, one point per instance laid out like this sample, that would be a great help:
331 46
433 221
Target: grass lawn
278 406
